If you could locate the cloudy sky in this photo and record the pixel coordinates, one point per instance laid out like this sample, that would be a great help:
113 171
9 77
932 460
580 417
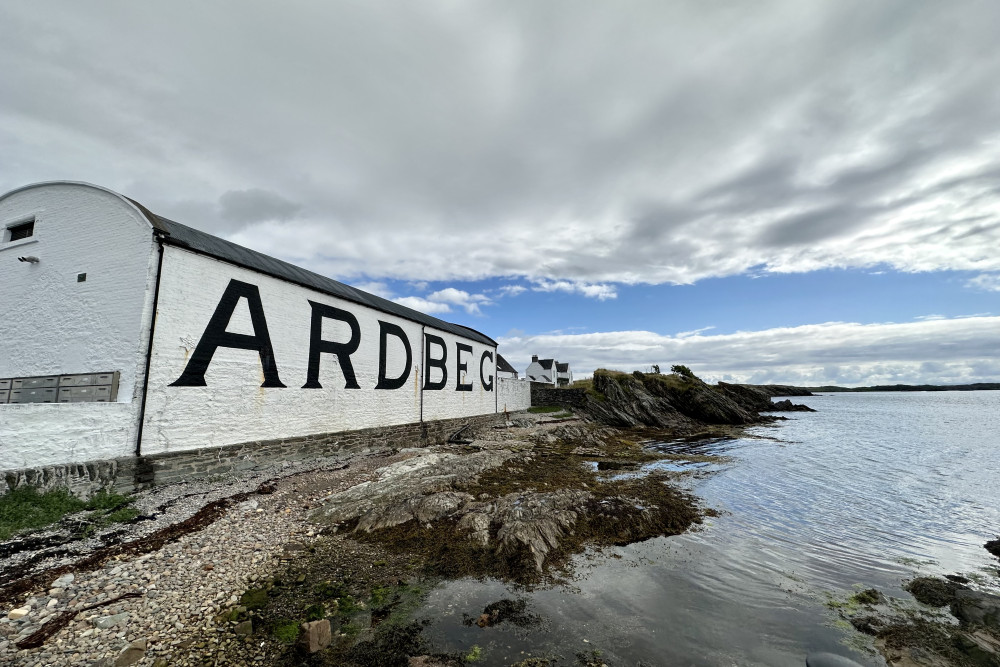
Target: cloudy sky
771 191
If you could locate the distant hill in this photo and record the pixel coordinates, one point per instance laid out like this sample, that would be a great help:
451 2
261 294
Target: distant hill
979 386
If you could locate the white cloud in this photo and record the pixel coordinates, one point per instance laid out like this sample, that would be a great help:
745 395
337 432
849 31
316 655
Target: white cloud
986 281
442 301
376 287
461 298
511 290
423 305
942 351
600 292
687 334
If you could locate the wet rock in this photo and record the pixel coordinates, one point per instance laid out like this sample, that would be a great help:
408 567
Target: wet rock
869 625
132 654
504 611
980 647
993 546
977 608
870 596
316 635
933 591
787 406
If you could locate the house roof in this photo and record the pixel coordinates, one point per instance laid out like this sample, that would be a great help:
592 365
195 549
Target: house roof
540 378
562 368
182 236
503 366
546 363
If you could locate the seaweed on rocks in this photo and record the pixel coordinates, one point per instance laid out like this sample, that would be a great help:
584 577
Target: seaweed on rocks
515 515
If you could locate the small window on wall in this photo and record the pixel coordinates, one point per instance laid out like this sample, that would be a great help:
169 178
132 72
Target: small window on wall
21 231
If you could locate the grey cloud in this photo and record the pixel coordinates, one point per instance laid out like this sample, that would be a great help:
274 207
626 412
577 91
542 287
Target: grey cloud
592 143
256 205
813 226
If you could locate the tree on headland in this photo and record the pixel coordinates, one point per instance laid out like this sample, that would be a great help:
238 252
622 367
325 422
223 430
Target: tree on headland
681 369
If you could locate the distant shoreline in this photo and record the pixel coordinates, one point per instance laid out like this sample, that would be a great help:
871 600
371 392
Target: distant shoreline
979 386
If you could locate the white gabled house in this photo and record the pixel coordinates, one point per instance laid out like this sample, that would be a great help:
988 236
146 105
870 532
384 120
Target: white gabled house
549 371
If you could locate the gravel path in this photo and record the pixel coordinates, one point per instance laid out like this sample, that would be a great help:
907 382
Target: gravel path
184 584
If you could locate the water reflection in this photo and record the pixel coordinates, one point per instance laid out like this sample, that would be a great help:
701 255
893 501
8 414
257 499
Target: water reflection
867 490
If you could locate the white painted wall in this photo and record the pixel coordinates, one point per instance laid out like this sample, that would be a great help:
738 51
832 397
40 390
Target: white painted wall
449 403
513 395
234 408
45 434
53 324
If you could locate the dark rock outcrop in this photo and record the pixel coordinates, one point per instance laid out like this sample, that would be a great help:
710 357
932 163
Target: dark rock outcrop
758 398
933 591
773 390
993 546
746 395
787 406
977 609
677 401
662 401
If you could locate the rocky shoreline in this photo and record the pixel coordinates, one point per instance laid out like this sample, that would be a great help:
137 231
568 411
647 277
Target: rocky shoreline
322 562
183 601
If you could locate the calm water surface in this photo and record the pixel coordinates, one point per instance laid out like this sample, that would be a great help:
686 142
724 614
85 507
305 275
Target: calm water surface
871 489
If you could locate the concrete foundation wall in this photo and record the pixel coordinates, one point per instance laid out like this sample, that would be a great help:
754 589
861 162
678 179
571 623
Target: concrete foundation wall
128 474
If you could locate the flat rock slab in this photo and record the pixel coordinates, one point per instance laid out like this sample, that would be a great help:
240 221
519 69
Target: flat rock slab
106 622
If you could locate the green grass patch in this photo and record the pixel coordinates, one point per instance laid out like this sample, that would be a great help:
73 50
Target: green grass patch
544 409
286 631
26 509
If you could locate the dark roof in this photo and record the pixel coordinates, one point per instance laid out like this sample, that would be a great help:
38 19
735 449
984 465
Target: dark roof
562 368
545 363
540 378
503 366
182 236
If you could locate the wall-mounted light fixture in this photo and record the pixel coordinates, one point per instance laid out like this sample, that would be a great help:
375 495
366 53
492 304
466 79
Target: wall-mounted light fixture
31 259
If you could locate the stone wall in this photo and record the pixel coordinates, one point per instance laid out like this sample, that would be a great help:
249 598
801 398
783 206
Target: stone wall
129 474
545 395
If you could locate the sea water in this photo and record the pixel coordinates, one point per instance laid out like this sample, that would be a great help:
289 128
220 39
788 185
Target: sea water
870 490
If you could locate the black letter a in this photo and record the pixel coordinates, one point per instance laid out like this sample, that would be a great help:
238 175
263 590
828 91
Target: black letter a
216 336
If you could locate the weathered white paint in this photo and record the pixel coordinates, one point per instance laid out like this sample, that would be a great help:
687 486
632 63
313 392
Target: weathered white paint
44 434
54 324
513 394
234 408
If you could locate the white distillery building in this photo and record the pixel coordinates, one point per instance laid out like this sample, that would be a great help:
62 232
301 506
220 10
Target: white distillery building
127 334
